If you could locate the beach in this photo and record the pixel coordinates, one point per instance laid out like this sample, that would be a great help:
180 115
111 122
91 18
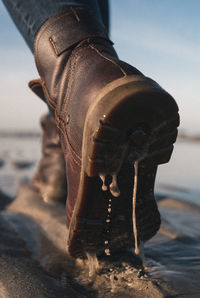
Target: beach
33 259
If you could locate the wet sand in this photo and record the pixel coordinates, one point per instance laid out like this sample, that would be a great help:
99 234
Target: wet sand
33 258
33 255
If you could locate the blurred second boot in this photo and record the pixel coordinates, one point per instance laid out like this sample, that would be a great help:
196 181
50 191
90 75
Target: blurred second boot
50 178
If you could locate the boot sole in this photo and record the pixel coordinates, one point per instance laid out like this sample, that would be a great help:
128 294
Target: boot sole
132 118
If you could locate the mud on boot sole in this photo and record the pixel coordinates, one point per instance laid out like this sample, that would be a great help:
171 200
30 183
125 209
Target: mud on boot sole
132 119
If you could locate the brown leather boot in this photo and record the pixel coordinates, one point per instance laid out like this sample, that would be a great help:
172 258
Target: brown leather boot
116 126
50 178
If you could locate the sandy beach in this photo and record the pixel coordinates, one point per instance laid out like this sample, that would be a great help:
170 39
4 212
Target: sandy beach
33 259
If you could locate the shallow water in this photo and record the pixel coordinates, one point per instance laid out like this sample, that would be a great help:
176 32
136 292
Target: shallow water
176 249
181 176
14 150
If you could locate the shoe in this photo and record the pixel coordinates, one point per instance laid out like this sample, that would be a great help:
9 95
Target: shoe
116 126
50 178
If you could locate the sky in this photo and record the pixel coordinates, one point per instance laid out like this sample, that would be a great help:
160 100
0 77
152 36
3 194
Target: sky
160 38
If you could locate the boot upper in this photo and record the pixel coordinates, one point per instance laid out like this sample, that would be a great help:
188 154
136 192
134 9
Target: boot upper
74 65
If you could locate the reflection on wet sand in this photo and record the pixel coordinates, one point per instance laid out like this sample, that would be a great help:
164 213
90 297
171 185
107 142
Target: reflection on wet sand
176 257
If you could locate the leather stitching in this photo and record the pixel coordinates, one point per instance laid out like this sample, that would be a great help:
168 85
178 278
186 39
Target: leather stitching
62 123
49 99
106 58
70 83
75 14
65 151
58 119
53 45
71 71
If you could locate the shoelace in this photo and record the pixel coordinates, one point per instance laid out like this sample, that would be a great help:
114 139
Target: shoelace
135 184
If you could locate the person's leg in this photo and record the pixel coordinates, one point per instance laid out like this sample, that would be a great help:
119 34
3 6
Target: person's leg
30 15
105 13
